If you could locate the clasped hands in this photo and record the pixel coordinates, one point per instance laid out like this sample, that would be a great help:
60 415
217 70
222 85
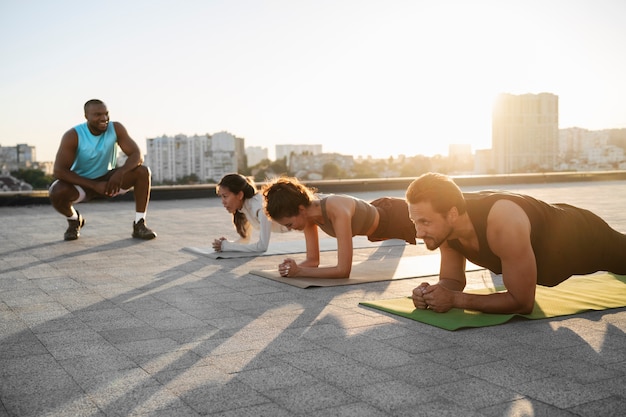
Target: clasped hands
288 268
433 297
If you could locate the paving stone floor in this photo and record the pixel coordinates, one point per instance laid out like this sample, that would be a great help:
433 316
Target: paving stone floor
111 326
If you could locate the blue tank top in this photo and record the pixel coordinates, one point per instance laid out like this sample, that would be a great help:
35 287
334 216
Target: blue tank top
95 155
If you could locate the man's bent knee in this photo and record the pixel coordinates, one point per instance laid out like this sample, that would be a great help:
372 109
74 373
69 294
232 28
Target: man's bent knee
142 172
145 171
63 193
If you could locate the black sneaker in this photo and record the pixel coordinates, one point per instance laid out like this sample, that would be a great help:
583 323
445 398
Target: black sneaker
73 228
141 231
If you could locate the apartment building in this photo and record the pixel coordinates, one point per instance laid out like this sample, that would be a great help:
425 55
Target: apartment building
20 156
209 157
285 151
525 133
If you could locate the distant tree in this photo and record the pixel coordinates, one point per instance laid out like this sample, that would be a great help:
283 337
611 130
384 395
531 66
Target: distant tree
416 166
269 169
189 179
35 177
247 171
331 171
440 164
279 167
364 169
617 137
260 175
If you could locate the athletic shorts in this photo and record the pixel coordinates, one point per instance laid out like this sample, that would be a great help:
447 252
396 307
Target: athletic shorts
86 195
394 221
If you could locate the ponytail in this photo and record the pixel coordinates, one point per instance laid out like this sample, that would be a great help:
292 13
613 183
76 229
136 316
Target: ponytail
238 183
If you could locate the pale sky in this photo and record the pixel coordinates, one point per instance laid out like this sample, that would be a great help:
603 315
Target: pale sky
360 77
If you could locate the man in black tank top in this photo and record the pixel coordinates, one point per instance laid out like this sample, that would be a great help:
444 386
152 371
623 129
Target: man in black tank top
526 240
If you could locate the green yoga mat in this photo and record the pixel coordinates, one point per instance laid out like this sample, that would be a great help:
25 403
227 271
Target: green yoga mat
576 295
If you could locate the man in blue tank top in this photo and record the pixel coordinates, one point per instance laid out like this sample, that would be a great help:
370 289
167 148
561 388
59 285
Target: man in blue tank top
86 168
528 241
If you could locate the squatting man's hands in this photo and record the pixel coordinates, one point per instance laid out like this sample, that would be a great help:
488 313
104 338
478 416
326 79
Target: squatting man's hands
434 297
288 268
114 184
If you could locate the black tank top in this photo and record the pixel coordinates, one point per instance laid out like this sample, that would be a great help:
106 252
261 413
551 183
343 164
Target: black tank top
566 240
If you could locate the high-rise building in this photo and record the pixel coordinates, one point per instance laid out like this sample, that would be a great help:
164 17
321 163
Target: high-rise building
256 154
525 133
576 142
21 156
209 157
285 151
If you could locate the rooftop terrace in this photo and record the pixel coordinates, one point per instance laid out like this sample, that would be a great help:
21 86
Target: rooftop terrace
111 326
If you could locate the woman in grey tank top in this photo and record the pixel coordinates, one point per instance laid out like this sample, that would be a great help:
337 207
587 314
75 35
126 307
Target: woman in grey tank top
296 206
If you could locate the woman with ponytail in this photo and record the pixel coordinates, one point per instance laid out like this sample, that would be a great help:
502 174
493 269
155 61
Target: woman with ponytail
240 198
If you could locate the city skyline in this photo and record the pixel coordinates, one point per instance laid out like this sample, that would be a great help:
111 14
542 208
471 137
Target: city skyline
358 77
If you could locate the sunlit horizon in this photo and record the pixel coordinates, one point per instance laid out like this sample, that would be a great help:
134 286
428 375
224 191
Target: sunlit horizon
364 78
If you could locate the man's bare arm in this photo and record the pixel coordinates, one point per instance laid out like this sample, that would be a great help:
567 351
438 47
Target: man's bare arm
129 147
452 269
65 159
508 235
451 280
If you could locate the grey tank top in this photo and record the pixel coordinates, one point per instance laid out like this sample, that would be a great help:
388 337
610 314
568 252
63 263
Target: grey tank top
364 215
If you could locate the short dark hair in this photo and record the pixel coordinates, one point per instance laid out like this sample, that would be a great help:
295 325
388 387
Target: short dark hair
92 102
439 190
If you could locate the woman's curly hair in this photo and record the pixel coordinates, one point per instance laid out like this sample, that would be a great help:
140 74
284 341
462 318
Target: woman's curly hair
284 196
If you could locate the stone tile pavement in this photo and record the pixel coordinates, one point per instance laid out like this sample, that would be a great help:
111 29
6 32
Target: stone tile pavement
111 326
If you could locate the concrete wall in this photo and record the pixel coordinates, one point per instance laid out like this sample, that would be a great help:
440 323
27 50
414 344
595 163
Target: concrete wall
180 192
